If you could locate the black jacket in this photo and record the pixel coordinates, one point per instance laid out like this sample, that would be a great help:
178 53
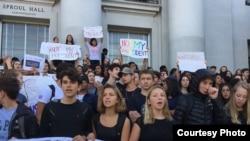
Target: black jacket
203 110
23 123
198 108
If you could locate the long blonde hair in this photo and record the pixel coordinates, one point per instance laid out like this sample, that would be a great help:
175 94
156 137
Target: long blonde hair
149 116
231 108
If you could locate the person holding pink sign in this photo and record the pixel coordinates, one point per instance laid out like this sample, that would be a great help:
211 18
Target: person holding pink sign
94 51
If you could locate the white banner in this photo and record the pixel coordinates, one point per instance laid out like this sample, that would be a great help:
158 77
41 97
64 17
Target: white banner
191 61
32 87
93 32
134 48
30 61
58 51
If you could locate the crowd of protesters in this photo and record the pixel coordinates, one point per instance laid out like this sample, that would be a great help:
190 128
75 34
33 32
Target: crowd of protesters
118 101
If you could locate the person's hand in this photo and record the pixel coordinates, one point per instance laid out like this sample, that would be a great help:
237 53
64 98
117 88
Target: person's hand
7 58
86 56
145 60
13 138
79 138
91 136
213 92
120 48
177 62
99 86
34 71
205 62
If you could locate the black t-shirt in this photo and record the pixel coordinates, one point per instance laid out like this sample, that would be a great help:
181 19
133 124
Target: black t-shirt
127 96
109 133
160 130
137 103
66 120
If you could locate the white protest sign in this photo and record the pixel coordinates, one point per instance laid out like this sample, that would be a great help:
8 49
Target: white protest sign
31 61
58 51
93 32
191 61
134 48
32 87
46 47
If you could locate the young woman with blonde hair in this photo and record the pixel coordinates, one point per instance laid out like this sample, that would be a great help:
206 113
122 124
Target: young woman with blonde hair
238 107
156 124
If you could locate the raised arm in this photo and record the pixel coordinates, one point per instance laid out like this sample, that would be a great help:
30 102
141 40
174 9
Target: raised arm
144 64
178 70
120 55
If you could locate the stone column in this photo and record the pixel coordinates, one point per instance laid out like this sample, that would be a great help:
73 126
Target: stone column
75 14
186 27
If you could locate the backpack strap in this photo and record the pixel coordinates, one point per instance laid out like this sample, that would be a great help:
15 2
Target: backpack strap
52 87
21 126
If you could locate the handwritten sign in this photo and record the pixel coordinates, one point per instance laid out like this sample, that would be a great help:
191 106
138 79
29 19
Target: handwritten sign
30 61
93 32
191 61
134 48
32 87
58 51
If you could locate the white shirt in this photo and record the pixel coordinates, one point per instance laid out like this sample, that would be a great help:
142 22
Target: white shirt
46 93
94 52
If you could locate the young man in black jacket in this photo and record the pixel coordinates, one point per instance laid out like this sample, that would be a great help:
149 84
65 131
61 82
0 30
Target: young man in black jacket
16 119
202 106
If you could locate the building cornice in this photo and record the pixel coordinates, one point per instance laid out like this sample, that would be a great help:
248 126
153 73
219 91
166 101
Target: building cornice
131 7
47 2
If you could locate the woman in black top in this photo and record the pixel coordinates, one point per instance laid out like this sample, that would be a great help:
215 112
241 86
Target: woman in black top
156 124
111 124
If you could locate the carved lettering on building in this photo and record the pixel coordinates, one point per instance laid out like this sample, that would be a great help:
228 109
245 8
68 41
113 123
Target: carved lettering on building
22 8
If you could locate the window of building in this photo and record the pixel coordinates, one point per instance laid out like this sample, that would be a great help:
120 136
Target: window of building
114 41
247 2
21 38
147 1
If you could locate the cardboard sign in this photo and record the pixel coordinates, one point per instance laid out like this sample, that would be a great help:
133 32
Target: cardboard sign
191 61
58 51
31 61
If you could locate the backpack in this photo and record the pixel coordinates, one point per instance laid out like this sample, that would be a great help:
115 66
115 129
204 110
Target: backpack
52 87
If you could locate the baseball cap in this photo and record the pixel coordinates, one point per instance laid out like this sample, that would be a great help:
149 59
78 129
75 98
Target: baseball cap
125 70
